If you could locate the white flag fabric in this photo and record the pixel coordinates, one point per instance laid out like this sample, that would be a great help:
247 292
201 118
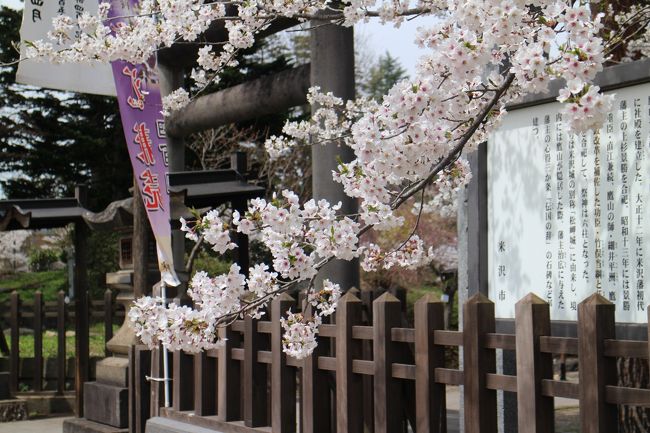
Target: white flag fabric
75 77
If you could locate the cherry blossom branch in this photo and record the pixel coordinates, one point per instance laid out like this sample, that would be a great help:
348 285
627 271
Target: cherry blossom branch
459 147
193 254
418 187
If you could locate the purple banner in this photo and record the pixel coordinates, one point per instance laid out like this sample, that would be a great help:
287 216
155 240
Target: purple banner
138 94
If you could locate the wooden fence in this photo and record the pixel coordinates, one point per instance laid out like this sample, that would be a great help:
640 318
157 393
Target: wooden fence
38 373
382 377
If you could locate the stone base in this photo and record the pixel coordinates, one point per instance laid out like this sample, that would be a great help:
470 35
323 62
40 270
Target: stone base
13 410
113 371
80 425
48 404
106 404
166 425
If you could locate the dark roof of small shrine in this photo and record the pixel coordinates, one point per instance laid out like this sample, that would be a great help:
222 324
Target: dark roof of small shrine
212 187
198 189
39 213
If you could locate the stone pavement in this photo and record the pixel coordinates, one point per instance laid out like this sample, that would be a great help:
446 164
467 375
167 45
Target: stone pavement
44 425
567 409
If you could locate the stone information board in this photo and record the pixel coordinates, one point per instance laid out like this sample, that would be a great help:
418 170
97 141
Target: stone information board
569 214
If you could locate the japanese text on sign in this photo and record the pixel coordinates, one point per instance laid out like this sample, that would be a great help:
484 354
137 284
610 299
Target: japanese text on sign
567 213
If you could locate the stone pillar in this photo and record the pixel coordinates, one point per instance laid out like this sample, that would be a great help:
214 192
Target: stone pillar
332 68
473 271
171 78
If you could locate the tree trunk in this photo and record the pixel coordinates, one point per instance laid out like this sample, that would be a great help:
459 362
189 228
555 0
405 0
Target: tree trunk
633 373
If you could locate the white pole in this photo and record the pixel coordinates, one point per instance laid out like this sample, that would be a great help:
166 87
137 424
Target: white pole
163 294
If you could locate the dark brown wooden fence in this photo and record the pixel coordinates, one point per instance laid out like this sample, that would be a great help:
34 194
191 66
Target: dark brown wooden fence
249 383
37 373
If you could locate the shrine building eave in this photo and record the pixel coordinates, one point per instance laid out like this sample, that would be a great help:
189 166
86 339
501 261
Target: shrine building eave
32 214
212 188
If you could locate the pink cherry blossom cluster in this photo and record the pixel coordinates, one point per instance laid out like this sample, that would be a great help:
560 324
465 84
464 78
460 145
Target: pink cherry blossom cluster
411 254
176 327
299 339
479 56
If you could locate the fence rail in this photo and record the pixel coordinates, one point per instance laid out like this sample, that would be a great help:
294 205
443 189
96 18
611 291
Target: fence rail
249 383
39 316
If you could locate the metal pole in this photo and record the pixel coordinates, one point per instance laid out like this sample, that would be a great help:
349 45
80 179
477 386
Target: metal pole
163 295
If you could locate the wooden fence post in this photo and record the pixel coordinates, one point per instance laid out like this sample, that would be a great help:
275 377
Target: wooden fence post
315 398
255 377
205 384
183 381
38 341
349 394
386 311
283 377
132 374
155 388
229 377
141 387
367 298
108 319
82 342
61 315
480 402
596 323
15 336
535 411
430 398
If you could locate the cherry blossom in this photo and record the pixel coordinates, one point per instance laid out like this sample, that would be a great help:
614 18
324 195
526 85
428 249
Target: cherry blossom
478 57
299 338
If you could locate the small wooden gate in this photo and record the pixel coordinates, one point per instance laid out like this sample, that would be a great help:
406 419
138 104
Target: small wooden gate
33 374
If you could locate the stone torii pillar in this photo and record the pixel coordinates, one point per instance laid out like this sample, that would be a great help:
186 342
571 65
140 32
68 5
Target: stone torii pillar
332 69
171 77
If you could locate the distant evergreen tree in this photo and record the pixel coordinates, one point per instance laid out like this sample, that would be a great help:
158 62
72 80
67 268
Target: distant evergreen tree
51 140
382 77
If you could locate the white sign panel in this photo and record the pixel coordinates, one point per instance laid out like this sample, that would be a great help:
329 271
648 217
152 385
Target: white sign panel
85 78
569 215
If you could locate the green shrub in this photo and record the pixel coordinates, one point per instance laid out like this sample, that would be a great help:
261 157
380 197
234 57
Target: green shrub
212 264
42 259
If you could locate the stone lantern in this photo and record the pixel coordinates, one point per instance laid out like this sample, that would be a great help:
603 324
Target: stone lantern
106 399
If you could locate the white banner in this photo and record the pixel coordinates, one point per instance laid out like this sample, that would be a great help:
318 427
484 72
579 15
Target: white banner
569 215
84 78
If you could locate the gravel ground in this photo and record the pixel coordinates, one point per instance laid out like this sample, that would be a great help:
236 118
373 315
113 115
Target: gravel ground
567 420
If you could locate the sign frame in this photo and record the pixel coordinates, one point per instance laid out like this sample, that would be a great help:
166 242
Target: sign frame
478 196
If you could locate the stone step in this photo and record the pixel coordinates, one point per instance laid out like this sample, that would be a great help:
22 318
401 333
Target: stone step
106 404
81 425
166 425
47 403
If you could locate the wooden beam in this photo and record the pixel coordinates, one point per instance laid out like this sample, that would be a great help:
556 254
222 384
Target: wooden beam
478 361
265 95
82 364
140 246
349 393
596 318
535 411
